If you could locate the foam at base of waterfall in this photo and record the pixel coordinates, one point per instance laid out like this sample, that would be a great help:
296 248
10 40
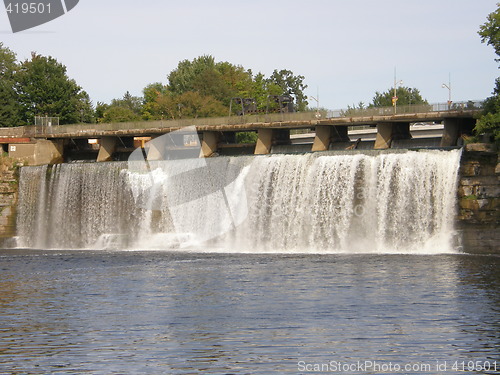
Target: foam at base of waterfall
402 202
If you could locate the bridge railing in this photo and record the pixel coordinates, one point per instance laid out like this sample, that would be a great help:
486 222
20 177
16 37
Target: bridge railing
84 129
166 124
406 109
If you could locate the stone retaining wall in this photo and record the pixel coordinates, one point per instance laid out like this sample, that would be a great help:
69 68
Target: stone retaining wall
479 199
8 199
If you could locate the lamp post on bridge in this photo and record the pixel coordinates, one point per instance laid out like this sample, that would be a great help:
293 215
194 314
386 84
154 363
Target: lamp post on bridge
318 115
448 86
395 97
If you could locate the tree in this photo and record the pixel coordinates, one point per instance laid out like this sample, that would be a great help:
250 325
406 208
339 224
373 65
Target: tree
490 31
151 108
489 122
291 84
203 75
198 75
354 110
100 109
223 81
406 96
127 108
134 103
44 88
193 105
119 114
9 106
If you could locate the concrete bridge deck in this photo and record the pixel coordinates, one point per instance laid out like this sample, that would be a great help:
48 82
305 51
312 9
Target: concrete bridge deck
272 129
227 124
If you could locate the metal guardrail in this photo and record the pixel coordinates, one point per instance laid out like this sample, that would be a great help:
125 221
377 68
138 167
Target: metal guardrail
43 131
166 124
407 109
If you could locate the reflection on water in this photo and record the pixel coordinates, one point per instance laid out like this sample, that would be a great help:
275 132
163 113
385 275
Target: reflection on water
180 313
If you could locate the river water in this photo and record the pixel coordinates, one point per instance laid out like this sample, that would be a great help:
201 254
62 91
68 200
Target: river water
315 263
144 312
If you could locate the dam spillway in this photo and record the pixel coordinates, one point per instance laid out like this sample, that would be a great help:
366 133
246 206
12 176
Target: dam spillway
371 202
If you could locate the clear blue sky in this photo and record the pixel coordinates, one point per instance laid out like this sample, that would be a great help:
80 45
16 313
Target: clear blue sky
347 49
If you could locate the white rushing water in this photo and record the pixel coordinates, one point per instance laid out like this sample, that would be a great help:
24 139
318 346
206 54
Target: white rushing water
318 203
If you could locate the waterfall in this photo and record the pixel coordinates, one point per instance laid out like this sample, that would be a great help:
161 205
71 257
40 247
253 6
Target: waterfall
313 203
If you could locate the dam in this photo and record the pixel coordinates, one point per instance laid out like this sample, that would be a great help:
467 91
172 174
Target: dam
311 203
398 188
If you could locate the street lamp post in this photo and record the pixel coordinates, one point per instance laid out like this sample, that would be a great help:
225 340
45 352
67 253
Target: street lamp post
318 115
395 97
448 86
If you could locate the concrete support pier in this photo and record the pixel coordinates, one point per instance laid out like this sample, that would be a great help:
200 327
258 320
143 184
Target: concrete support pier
269 137
454 128
390 131
107 149
264 142
384 136
209 144
40 152
327 134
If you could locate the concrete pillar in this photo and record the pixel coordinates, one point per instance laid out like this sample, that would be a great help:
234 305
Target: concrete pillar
454 128
384 136
209 144
264 142
155 149
107 149
450 132
43 151
24 152
323 138
327 134
49 151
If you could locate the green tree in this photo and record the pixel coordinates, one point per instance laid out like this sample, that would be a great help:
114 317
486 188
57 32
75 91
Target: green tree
191 104
9 106
134 103
119 114
246 137
127 108
44 88
198 75
100 109
490 31
203 75
489 122
406 96
223 81
355 110
291 84
151 108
